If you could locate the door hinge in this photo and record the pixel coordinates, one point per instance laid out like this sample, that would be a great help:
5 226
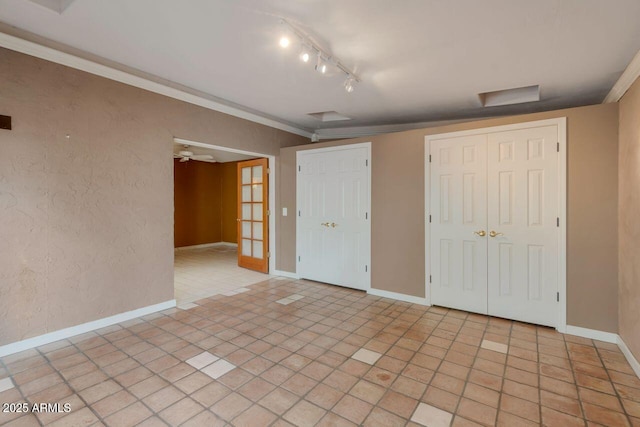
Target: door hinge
299 213
558 147
557 221
268 254
299 168
366 268
429 218
558 296
268 171
268 212
429 278
366 162
366 215
298 259
429 158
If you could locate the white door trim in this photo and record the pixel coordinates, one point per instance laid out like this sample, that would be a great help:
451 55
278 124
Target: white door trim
561 123
272 190
367 146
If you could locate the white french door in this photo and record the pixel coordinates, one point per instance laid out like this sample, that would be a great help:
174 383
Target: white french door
494 206
459 220
333 222
522 186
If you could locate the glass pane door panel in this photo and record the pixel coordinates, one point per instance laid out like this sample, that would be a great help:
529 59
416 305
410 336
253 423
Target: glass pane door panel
257 175
257 192
246 211
246 193
246 175
257 230
257 249
246 247
257 211
246 229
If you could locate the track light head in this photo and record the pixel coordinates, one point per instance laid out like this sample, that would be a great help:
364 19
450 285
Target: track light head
349 84
321 65
284 42
305 53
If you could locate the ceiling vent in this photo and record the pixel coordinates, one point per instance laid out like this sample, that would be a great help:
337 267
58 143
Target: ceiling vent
57 6
329 116
510 96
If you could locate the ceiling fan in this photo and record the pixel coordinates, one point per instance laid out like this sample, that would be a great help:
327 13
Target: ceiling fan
185 155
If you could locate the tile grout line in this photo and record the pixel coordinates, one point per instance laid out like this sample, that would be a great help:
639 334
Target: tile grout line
615 390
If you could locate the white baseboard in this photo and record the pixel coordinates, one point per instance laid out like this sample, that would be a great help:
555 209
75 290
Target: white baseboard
398 296
630 357
592 334
284 274
206 245
61 334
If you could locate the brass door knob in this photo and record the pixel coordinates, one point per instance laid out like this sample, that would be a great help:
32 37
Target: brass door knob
494 234
480 233
325 224
334 225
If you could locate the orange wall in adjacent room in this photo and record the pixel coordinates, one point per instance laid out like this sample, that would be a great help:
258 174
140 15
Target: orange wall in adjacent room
229 198
205 197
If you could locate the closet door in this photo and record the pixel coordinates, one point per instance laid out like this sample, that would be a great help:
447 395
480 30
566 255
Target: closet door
458 206
333 221
522 228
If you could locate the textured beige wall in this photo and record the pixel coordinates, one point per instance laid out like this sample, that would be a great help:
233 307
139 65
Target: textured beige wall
397 216
629 219
86 223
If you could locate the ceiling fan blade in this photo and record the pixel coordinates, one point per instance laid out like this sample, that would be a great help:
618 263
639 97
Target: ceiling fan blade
204 157
184 159
177 156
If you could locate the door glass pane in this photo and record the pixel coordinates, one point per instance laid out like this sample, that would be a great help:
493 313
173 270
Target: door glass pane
257 192
257 230
246 175
257 175
257 249
246 247
246 211
257 211
246 193
246 229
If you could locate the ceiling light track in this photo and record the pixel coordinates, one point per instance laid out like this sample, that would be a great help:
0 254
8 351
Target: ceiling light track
324 58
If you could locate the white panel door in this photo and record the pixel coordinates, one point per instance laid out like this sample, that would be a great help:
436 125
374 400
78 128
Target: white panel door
333 221
523 210
458 204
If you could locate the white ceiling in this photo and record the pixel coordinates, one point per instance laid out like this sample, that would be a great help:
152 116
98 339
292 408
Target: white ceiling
419 60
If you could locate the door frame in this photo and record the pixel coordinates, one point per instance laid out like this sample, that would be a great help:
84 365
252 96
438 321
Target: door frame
561 123
366 145
272 186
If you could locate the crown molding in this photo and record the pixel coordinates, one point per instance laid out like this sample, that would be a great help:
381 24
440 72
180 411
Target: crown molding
77 62
630 74
363 131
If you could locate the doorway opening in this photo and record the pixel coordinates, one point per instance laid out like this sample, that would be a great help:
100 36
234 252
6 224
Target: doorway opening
208 233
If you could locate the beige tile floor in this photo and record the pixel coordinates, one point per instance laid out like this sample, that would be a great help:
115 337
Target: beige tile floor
204 272
293 353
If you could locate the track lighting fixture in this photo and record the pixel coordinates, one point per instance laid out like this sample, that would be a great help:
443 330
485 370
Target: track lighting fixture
349 84
304 54
321 65
324 57
284 41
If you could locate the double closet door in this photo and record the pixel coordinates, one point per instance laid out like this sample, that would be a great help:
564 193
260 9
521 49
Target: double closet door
494 224
333 231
